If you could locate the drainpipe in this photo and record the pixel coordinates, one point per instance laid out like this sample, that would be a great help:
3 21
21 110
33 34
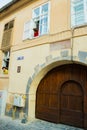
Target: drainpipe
72 42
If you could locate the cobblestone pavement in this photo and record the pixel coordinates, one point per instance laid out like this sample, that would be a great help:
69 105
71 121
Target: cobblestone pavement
7 123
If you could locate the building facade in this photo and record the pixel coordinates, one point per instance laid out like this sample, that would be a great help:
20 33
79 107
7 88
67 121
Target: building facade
44 60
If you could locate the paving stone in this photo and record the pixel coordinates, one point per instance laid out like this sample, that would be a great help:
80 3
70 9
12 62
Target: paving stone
7 123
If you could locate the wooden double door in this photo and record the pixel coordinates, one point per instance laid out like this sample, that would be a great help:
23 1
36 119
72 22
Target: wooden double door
60 95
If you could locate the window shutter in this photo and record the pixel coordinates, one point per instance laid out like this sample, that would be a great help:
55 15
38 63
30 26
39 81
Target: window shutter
33 24
28 30
6 40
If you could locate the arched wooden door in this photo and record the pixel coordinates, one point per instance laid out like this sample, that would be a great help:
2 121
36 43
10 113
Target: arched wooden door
59 96
71 104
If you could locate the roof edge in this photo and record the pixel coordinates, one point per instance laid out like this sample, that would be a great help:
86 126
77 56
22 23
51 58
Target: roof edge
8 5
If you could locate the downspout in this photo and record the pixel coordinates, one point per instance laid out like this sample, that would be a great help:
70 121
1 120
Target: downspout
72 43
72 29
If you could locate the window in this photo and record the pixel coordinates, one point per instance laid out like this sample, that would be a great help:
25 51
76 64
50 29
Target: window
78 12
7 35
9 25
39 25
41 18
5 63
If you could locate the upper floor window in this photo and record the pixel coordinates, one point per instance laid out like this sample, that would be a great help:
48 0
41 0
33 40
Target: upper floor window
7 35
9 25
5 63
78 12
41 18
39 25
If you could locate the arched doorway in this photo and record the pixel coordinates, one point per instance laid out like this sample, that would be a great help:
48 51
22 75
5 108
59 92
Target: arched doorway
60 95
71 104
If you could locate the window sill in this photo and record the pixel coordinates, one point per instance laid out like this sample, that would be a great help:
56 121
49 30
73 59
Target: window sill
36 37
79 26
4 76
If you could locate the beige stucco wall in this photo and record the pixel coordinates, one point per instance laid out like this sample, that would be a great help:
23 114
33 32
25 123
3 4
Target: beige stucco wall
32 57
58 23
4 82
36 60
80 44
38 55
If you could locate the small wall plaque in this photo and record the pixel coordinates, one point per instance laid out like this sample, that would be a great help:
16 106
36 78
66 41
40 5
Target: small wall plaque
18 69
20 58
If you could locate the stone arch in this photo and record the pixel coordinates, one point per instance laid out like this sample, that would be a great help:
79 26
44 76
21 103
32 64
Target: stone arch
35 79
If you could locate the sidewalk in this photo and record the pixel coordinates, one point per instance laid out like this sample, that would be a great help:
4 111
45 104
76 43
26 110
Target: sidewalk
6 123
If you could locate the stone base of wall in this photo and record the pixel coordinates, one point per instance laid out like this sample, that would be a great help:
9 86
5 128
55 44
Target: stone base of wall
14 112
8 111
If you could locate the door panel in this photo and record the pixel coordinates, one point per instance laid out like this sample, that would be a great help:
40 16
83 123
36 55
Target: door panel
71 104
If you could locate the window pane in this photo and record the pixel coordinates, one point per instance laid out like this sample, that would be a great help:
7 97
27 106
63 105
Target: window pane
6 26
79 8
44 25
44 20
11 24
43 29
36 13
77 1
44 9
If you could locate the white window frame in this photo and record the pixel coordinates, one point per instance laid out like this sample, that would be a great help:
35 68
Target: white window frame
40 16
30 25
73 23
85 9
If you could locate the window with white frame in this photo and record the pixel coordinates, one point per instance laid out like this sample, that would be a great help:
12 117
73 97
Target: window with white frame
41 18
6 57
39 25
78 12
